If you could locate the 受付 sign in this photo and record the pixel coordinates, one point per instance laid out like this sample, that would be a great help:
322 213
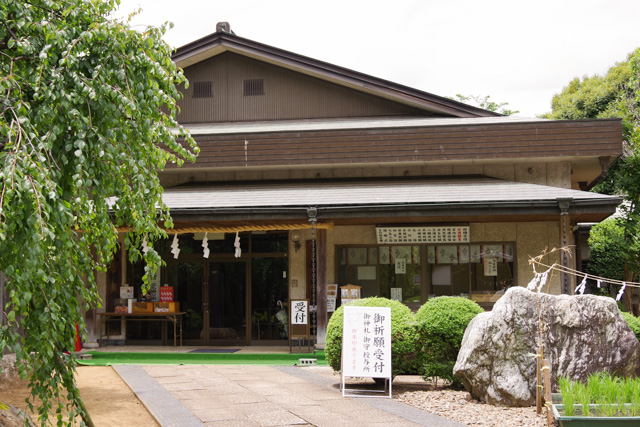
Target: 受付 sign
299 313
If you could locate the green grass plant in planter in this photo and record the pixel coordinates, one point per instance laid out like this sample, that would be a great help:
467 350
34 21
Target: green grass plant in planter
403 335
568 397
603 400
441 325
633 322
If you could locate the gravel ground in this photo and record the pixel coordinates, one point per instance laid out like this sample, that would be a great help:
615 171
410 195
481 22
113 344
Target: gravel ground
437 399
458 406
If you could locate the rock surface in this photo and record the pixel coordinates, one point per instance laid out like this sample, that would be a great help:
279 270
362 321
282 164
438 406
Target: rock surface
10 379
8 371
11 416
580 334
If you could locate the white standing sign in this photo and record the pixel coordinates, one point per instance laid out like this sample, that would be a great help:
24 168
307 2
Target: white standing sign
366 343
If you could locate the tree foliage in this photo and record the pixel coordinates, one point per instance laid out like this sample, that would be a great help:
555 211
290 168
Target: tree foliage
87 119
486 103
616 94
592 97
604 241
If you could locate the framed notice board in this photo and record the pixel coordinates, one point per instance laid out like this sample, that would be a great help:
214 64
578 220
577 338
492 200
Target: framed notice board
299 322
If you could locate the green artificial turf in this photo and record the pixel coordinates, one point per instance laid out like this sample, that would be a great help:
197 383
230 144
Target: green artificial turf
127 358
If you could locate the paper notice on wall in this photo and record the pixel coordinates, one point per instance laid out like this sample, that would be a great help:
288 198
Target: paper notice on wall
154 287
384 255
396 294
401 265
126 292
332 295
490 266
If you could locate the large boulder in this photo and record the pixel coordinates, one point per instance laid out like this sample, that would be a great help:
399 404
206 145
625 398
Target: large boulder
10 416
580 334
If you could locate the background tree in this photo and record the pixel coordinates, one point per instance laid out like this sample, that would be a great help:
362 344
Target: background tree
604 240
87 119
616 94
486 103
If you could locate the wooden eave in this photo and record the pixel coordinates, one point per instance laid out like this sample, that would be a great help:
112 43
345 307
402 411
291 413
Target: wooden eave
426 141
220 42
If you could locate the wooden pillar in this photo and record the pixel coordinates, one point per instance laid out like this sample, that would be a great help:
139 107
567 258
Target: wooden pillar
565 234
321 287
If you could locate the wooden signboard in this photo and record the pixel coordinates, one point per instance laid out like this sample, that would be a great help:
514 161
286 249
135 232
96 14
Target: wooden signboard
366 346
299 323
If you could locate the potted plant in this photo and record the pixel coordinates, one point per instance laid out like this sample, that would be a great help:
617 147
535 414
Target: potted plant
604 400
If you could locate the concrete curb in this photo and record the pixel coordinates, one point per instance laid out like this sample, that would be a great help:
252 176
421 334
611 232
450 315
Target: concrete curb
166 409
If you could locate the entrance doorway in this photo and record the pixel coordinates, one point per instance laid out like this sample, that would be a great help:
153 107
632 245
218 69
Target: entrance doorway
269 301
233 301
226 303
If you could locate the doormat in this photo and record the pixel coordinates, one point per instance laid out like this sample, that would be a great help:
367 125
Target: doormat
108 358
215 350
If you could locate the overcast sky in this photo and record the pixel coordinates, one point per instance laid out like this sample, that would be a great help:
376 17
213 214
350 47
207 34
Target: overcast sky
515 51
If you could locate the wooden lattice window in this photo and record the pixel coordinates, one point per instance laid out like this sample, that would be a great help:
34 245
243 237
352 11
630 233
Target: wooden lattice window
253 87
202 89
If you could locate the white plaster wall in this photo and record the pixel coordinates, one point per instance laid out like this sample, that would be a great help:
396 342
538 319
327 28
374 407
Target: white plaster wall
297 273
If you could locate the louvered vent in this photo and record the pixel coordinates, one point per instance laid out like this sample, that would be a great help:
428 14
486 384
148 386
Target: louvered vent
254 87
202 89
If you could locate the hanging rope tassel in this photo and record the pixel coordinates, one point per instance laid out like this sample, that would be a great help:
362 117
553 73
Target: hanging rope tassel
624 285
175 246
581 286
205 246
236 244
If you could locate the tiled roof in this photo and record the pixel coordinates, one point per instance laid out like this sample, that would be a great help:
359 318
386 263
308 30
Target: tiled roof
467 191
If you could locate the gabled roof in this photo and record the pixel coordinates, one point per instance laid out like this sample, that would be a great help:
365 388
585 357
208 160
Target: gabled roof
220 42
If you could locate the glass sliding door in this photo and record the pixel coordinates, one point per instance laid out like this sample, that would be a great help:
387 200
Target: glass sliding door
269 300
227 301
187 278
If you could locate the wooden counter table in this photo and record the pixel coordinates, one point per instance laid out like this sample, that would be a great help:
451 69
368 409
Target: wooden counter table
164 317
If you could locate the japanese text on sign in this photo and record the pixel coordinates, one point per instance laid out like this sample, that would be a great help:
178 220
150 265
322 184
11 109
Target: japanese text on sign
366 344
299 313
452 234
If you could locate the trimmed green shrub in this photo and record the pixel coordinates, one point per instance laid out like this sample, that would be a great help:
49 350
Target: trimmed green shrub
441 325
403 336
633 322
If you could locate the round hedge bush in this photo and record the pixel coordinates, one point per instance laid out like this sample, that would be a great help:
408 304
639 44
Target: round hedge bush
441 325
633 322
403 336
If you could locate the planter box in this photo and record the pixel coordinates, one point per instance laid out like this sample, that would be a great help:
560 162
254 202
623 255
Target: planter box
142 307
594 420
166 307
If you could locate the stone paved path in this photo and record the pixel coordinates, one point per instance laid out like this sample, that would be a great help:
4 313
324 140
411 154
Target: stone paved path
232 395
